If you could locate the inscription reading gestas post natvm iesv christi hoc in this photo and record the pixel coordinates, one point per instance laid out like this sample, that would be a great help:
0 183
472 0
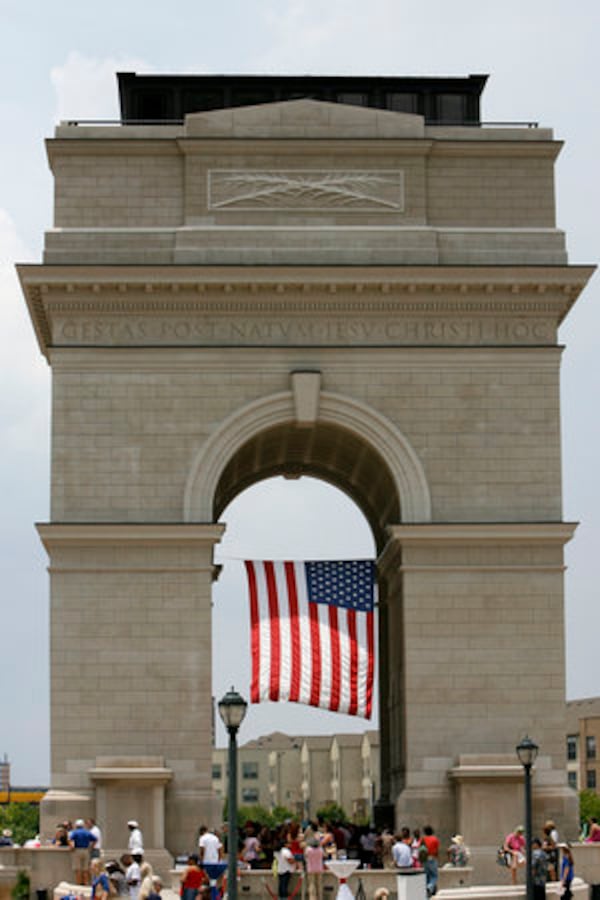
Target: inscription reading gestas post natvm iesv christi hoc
339 331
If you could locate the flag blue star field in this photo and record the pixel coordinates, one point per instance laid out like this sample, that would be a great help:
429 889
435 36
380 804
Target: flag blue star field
312 633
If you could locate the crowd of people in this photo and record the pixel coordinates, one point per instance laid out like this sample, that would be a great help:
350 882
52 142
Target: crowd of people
130 876
291 848
551 860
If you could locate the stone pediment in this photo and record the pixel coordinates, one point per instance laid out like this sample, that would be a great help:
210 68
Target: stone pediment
304 119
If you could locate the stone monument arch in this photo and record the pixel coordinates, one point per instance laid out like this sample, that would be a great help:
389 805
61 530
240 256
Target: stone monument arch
366 284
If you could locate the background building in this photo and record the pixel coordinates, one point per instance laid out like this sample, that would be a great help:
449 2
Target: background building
305 773
583 743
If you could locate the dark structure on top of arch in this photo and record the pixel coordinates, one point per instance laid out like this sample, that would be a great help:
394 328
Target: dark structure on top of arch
158 98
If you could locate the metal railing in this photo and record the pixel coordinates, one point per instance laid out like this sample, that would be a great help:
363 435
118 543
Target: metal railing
437 123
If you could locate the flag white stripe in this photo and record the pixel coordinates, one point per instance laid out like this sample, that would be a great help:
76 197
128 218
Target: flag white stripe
344 661
265 631
363 664
325 693
285 648
305 635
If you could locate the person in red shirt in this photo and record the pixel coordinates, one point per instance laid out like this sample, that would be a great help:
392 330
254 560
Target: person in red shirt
431 863
194 880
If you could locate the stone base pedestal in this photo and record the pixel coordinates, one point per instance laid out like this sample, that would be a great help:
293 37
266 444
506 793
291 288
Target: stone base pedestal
131 788
490 803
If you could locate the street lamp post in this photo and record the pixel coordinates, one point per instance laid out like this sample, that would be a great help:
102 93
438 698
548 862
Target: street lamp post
527 752
232 709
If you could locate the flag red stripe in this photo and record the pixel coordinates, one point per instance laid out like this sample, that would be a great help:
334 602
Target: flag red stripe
315 655
371 664
334 639
275 635
254 634
295 643
353 705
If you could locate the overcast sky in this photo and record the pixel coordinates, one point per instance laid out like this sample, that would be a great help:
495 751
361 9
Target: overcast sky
58 61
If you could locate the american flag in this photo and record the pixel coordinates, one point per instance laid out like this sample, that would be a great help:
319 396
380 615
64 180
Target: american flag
312 633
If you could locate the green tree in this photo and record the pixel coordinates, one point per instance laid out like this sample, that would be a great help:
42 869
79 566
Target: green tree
332 812
254 812
589 805
22 886
23 819
281 814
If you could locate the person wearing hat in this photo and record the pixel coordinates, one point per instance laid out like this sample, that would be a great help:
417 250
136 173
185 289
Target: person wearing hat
458 853
514 847
6 838
136 840
82 841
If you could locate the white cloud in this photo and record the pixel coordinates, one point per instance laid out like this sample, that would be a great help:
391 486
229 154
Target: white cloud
24 406
86 87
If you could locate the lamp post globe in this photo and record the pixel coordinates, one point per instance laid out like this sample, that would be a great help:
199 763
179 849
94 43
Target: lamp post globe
232 709
527 751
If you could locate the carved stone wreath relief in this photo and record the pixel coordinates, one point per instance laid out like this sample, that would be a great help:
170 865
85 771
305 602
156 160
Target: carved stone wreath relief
311 189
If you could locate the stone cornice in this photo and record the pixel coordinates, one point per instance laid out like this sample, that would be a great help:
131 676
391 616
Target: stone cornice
504 291
537 149
508 772
55 534
481 534
484 532
137 774
97 143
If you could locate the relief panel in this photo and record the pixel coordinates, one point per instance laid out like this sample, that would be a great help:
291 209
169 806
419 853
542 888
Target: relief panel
306 189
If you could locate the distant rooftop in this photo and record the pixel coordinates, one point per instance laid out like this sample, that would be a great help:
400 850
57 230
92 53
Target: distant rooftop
169 98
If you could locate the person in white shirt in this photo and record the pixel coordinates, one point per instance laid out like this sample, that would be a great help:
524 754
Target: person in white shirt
91 826
136 841
401 851
209 846
286 864
133 876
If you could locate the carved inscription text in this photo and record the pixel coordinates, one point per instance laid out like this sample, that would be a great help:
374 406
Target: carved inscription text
262 331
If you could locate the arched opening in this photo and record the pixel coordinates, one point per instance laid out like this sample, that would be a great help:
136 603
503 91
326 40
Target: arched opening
328 452
279 519
358 453
383 456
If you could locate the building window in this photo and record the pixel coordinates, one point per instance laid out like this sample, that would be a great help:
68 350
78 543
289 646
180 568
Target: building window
249 795
572 747
590 747
451 108
590 779
250 770
217 771
406 103
572 780
353 98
